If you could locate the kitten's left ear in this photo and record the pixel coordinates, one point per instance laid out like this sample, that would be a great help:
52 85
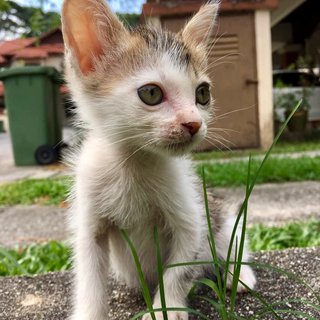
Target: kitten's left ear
199 29
90 29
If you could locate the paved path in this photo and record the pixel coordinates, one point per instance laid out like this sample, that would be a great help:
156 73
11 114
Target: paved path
274 203
9 172
47 297
270 204
21 225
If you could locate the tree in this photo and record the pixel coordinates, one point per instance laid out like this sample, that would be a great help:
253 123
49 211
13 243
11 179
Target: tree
17 20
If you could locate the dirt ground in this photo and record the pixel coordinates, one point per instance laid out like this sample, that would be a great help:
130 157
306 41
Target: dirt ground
48 296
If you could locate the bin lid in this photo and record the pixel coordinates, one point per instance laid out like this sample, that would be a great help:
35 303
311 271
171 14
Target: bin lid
51 72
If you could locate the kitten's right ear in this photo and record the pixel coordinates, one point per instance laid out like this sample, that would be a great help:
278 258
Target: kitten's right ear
198 30
89 29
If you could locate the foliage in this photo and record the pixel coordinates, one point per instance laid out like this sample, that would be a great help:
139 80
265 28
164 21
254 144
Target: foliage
282 147
17 20
43 191
292 235
54 191
55 255
287 100
276 170
35 259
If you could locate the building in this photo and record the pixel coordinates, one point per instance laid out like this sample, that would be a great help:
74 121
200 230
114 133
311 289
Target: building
47 50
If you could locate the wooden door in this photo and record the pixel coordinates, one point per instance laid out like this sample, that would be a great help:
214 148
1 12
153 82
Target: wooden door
234 77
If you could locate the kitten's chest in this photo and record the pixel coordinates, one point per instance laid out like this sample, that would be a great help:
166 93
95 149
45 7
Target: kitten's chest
145 197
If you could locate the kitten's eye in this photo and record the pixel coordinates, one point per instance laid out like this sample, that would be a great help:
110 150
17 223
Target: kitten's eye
203 94
150 94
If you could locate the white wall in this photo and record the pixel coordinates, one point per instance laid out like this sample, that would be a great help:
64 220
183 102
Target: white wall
264 73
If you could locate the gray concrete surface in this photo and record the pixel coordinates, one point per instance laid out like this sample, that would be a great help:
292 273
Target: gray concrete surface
270 204
21 225
48 296
274 203
9 172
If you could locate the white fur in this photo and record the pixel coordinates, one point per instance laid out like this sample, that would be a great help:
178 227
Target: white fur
128 178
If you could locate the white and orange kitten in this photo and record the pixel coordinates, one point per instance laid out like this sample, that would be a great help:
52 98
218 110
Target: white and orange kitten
144 98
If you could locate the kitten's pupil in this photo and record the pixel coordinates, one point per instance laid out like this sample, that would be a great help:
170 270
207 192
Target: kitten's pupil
150 94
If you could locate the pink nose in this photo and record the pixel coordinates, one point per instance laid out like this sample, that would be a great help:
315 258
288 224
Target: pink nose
193 127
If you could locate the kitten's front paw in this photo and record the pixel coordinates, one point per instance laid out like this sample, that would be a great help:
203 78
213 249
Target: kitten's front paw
246 276
172 315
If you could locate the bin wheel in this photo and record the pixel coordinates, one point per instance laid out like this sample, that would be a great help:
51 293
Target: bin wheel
46 155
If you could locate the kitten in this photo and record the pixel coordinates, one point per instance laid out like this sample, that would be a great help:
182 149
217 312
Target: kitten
144 97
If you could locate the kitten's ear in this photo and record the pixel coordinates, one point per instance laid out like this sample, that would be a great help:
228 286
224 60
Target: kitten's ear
90 28
198 30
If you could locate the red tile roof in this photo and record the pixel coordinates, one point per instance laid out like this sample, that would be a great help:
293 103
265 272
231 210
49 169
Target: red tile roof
31 53
8 47
29 48
53 48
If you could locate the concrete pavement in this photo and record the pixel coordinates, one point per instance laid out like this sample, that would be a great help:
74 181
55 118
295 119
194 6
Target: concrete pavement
48 297
270 204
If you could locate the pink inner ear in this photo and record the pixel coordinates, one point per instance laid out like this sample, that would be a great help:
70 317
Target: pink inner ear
81 35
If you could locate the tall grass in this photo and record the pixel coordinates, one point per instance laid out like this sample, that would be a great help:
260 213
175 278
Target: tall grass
236 247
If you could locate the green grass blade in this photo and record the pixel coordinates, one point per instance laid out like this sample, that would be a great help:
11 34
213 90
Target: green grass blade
213 246
214 303
239 254
145 289
249 190
212 285
262 300
160 274
13 261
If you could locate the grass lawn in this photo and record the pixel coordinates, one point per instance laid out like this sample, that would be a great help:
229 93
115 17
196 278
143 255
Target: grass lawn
56 256
280 147
275 170
35 191
54 191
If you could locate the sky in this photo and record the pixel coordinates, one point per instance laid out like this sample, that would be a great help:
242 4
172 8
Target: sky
117 6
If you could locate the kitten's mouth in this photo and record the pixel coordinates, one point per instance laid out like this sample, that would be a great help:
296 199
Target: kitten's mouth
180 146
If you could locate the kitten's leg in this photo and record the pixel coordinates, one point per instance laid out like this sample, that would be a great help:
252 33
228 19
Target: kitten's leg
222 239
91 270
178 281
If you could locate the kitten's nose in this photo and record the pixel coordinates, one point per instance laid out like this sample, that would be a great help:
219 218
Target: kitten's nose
193 127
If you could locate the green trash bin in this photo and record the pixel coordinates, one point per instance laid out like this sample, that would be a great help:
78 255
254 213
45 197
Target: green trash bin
33 102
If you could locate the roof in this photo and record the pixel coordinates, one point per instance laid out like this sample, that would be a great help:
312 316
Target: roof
8 47
42 51
187 7
31 53
49 43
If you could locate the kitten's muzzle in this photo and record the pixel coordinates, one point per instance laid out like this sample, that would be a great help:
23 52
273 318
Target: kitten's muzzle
193 127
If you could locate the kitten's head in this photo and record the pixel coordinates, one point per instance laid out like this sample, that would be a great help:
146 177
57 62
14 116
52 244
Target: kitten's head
145 88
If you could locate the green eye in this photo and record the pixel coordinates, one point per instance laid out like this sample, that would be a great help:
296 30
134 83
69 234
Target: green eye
150 94
203 94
